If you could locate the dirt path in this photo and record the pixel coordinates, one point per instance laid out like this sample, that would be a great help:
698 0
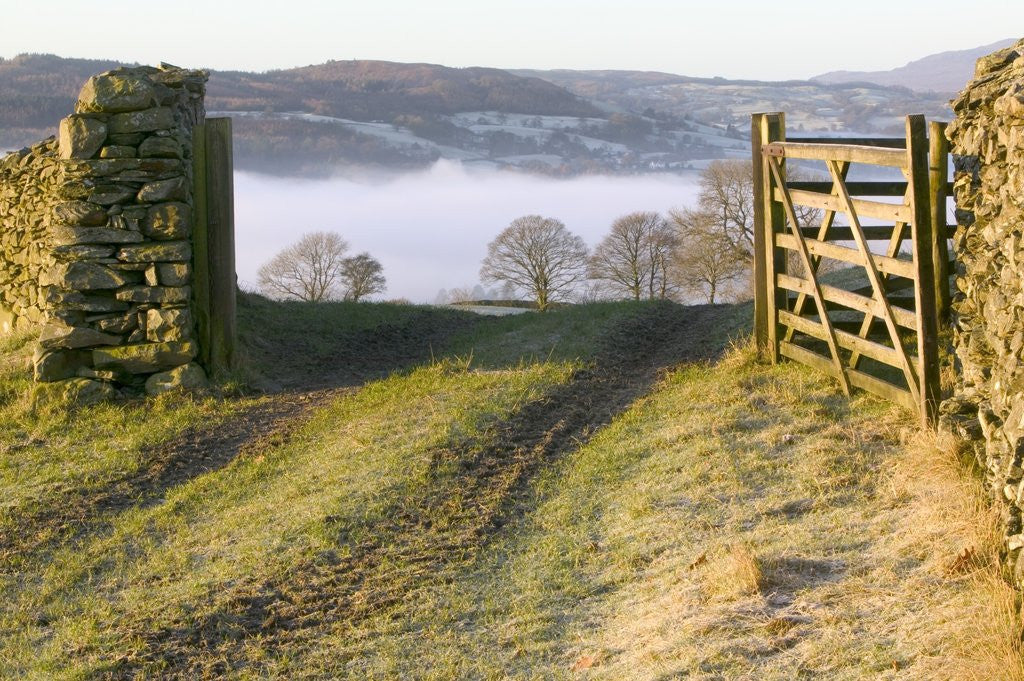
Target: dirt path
454 517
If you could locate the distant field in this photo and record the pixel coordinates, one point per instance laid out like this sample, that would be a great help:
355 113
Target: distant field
607 491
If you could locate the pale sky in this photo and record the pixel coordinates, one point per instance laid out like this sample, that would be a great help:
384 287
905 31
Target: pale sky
729 38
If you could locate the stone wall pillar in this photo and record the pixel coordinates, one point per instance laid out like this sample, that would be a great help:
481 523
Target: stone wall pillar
95 230
987 139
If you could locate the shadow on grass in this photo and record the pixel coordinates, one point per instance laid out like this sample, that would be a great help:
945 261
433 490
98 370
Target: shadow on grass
476 487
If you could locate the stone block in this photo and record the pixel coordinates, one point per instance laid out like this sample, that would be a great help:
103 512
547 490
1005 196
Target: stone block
164 325
110 194
56 365
147 120
88 276
79 214
80 137
114 92
165 295
72 236
144 358
57 336
117 151
168 220
160 147
168 251
78 391
175 189
189 377
174 273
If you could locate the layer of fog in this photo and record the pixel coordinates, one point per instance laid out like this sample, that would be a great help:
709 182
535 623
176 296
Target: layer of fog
430 230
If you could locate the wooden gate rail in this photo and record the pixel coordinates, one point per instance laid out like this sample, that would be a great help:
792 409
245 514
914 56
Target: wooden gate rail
826 326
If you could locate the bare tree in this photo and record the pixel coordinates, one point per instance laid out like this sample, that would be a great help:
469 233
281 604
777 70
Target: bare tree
361 276
308 270
705 259
538 255
727 193
633 258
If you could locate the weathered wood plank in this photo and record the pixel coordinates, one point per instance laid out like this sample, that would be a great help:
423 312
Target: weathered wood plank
846 299
888 142
895 212
846 340
863 188
805 258
858 379
901 268
881 156
871 232
872 267
925 282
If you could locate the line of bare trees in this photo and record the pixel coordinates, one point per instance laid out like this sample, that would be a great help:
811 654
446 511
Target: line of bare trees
316 268
701 252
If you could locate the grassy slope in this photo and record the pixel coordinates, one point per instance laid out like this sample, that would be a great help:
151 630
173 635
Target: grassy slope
738 521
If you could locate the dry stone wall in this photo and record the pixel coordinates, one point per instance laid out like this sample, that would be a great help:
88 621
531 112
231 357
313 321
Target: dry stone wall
95 236
987 139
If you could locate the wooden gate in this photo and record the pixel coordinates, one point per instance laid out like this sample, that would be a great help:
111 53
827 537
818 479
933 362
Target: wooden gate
875 326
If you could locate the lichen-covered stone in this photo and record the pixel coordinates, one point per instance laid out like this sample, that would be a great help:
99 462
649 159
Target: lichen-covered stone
79 214
157 118
144 358
154 294
56 336
71 236
117 151
114 92
175 189
168 221
56 365
81 136
160 147
168 251
174 273
164 325
189 377
83 275
79 391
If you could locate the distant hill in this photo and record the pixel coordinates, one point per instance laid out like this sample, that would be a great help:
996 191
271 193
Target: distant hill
379 90
344 115
943 72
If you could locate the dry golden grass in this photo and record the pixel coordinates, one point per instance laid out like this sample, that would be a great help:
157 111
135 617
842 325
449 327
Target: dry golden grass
955 531
733 573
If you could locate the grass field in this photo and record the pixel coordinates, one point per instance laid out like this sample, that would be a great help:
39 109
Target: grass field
612 491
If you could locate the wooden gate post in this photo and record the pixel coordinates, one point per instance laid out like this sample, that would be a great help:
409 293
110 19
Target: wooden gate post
925 289
760 255
213 244
938 174
773 129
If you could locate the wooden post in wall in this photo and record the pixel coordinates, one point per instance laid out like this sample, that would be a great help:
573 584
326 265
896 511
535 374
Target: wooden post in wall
220 223
200 245
938 174
213 244
925 289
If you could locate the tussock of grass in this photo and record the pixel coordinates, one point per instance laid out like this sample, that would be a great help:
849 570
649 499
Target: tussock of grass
734 572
